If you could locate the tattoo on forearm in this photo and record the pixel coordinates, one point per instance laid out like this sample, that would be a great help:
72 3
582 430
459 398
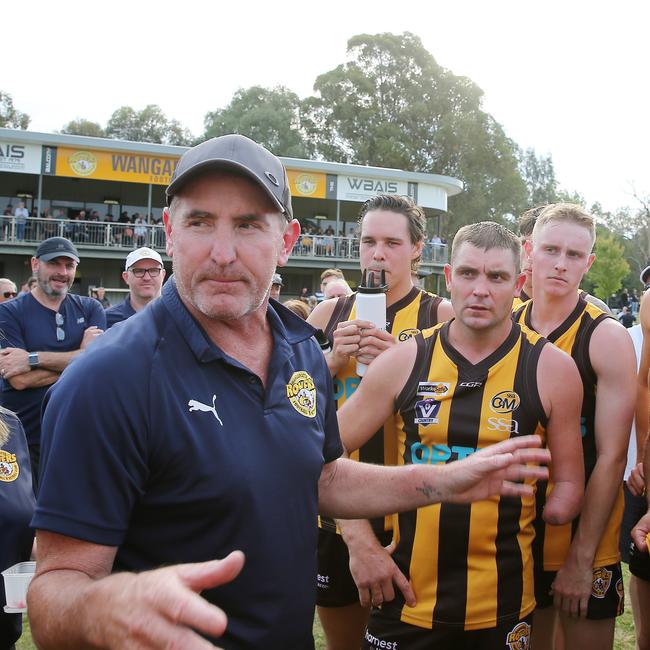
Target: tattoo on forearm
430 492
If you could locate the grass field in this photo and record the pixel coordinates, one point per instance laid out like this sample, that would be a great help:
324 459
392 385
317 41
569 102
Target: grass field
624 627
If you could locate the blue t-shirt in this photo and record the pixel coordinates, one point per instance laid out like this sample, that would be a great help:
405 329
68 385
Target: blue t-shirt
118 313
16 509
180 454
26 324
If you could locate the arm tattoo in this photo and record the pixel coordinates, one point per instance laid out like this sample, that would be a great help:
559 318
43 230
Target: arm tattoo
430 492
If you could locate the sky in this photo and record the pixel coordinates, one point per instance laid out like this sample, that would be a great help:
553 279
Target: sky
569 79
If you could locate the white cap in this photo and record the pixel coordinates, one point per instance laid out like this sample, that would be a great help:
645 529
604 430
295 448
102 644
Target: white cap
143 253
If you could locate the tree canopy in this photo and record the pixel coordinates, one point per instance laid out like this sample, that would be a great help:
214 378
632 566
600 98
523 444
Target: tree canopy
609 268
82 126
148 125
10 117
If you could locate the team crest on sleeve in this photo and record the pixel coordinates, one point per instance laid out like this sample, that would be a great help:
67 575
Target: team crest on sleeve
519 637
9 468
405 335
301 392
601 581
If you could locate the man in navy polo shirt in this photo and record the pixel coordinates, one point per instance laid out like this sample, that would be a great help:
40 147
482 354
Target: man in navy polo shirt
143 274
42 331
215 433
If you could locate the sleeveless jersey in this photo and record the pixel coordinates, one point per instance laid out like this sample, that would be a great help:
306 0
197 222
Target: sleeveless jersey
573 336
518 302
414 312
471 565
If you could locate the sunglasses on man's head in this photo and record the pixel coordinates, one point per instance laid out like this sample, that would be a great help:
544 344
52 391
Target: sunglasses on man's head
9 294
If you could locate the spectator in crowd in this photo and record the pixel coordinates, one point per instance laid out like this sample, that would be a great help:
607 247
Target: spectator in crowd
143 274
337 288
229 441
21 214
328 275
297 307
8 289
626 317
16 509
99 293
304 295
139 230
43 331
6 221
276 286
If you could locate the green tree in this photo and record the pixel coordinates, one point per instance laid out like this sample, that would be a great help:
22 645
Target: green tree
270 116
539 175
392 105
11 118
609 267
81 126
148 125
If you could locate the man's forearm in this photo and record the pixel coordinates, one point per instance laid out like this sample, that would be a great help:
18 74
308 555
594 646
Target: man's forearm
357 533
56 361
34 379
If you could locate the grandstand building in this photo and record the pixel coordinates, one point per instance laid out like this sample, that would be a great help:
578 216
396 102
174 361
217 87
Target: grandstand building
81 187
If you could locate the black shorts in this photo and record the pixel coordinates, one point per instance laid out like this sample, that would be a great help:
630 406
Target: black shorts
386 633
635 508
334 582
607 598
639 563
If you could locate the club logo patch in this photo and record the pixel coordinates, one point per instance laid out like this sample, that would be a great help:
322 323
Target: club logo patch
506 401
9 469
437 388
426 411
602 580
302 393
405 335
519 637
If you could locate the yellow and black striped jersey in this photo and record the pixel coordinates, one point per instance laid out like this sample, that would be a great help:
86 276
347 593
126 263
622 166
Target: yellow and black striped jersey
414 312
471 566
573 336
518 302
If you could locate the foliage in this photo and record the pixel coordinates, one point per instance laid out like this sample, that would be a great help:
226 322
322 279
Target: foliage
81 126
610 267
10 117
392 105
270 116
148 125
539 175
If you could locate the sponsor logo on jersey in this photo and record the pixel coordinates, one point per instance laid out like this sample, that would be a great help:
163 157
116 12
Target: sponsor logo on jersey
9 469
601 581
346 389
503 424
373 641
405 335
426 411
519 637
506 401
301 392
434 454
470 384
436 388
322 582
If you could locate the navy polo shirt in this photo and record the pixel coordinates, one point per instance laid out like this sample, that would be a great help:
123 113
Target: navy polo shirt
27 324
180 454
16 509
118 313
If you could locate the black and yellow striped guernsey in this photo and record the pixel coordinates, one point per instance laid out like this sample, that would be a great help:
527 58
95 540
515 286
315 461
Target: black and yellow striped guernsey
518 302
471 566
416 311
573 336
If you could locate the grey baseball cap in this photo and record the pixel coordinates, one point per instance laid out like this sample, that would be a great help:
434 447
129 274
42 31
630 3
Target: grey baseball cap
56 247
645 275
239 154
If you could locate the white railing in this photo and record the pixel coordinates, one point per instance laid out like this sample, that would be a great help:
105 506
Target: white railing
104 234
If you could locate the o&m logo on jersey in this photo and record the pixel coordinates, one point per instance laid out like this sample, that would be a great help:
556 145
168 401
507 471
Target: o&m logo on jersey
405 335
426 411
9 469
600 585
506 401
83 163
519 637
437 388
302 393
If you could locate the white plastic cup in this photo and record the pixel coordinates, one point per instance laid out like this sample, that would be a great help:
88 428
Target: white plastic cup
17 579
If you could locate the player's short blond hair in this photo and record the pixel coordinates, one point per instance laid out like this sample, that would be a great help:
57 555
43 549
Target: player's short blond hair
568 213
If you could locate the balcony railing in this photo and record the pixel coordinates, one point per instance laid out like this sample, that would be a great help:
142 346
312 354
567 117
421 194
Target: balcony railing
127 236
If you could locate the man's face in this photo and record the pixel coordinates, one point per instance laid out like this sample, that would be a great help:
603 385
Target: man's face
226 238
54 278
7 291
526 260
482 284
561 255
147 287
386 245
275 291
327 280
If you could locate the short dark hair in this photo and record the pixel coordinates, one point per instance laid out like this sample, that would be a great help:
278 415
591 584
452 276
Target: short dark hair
528 219
417 220
487 235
